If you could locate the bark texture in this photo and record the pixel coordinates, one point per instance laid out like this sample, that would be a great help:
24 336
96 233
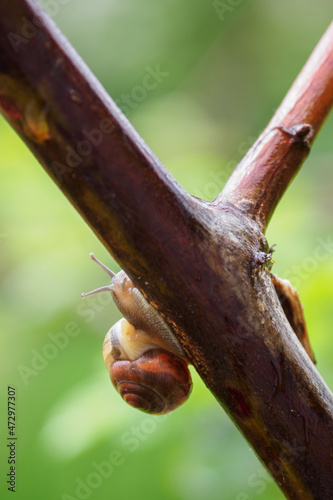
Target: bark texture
204 266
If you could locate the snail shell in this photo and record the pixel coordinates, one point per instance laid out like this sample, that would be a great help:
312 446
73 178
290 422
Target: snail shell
157 382
146 363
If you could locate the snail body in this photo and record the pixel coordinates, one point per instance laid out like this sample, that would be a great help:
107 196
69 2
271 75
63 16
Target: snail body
146 363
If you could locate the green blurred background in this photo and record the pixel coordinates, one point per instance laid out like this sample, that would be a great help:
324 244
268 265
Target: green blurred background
228 67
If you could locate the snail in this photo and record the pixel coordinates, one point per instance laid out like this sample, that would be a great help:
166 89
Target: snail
146 363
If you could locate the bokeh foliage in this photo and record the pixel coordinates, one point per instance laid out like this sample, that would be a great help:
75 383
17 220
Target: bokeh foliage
227 70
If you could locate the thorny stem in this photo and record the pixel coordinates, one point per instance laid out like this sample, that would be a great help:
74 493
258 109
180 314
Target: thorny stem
201 265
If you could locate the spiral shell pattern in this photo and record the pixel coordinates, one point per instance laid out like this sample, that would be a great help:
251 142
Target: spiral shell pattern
156 383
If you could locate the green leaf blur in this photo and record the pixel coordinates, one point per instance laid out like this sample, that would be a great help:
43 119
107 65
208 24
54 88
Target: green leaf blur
226 66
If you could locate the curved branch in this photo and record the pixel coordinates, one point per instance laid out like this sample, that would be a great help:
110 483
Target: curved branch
261 178
200 264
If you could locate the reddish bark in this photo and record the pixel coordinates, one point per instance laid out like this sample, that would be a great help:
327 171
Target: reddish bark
202 265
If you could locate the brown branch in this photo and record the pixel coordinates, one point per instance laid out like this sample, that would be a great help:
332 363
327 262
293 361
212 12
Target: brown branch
75 130
204 263
260 180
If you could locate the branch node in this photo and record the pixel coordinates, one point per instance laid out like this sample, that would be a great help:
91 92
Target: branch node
302 133
264 259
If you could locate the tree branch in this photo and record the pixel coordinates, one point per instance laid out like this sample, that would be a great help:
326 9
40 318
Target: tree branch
76 131
201 265
261 178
